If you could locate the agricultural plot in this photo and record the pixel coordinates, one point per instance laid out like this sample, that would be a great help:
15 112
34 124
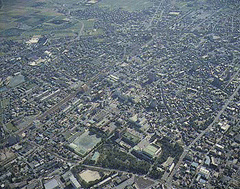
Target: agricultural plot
129 5
23 18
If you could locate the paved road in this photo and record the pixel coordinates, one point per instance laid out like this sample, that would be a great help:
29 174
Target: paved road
198 169
56 106
125 172
150 23
169 179
80 32
235 75
204 20
105 169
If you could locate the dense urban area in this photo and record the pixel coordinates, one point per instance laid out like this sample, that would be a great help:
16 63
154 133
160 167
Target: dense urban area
123 94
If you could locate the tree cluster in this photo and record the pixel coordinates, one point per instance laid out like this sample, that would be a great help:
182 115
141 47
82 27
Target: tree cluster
113 158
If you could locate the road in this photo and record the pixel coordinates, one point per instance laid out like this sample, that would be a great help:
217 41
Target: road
125 183
204 20
232 79
81 30
198 169
116 170
49 151
150 23
104 169
56 106
79 33
169 179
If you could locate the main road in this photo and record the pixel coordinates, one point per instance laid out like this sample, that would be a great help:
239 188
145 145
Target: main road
57 106
169 179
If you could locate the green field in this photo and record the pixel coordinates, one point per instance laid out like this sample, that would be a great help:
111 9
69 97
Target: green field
88 24
64 34
11 127
129 5
5 103
21 18
94 33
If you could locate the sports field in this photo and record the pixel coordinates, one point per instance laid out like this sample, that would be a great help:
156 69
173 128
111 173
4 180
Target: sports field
84 143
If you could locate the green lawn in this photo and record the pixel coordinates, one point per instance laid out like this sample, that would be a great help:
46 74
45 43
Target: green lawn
11 127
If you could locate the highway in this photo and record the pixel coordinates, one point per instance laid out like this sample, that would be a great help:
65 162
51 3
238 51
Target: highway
169 179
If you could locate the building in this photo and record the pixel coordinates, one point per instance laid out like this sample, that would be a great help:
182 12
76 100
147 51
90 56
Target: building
52 184
130 139
151 151
204 172
68 176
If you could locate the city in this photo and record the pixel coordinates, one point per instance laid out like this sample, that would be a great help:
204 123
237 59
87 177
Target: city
120 94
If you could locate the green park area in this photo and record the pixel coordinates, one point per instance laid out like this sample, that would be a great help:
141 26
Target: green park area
111 156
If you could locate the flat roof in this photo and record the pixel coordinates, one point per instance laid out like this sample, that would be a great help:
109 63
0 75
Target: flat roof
51 184
150 150
131 137
95 156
